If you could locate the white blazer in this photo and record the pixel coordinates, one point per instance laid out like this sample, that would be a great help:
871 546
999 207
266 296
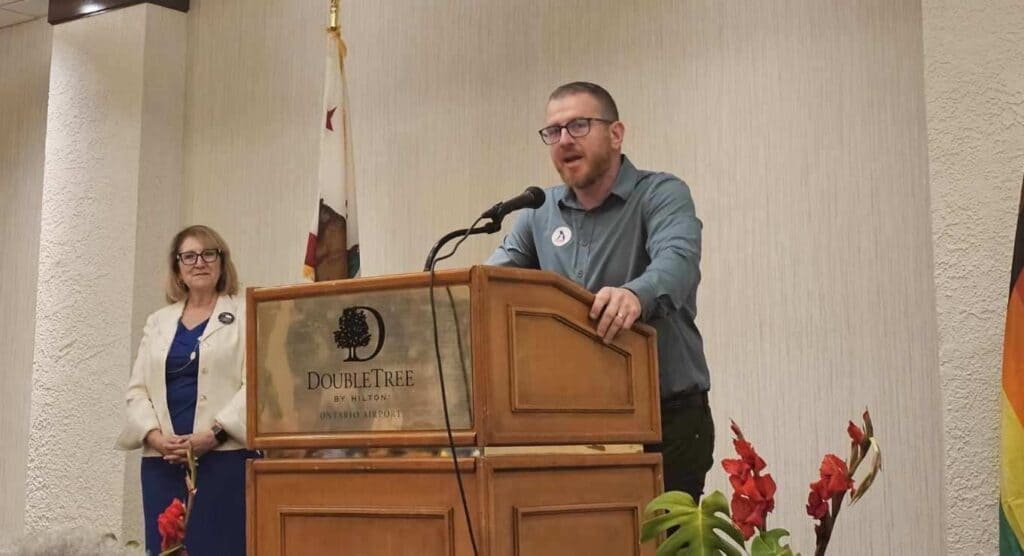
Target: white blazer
221 389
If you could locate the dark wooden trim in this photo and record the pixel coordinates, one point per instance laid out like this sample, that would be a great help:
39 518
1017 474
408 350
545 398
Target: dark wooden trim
62 11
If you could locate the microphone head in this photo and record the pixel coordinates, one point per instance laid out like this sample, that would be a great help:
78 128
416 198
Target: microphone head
537 197
532 198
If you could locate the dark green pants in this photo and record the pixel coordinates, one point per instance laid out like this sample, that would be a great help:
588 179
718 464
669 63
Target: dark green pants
686 448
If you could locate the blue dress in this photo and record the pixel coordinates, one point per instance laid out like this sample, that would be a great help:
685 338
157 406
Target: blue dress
217 524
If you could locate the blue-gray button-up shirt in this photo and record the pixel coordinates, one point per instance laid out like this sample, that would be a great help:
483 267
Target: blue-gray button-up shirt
645 237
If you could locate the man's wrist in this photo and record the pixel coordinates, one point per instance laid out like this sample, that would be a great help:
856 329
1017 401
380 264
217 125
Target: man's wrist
219 434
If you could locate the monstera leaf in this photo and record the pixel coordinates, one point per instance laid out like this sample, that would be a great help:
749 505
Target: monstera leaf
702 530
769 543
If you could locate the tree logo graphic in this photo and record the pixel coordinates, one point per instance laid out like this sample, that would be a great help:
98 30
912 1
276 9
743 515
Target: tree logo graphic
354 332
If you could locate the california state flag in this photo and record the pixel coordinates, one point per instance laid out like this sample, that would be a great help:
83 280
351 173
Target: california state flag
332 251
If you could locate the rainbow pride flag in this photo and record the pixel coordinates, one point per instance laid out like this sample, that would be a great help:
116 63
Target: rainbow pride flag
1011 487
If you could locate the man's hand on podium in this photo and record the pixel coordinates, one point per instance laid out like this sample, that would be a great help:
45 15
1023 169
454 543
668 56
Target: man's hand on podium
618 309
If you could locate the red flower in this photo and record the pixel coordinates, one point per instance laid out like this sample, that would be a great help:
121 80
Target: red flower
752 502
835 479
746 516
747 453
171 524
856 434
816 507
753 494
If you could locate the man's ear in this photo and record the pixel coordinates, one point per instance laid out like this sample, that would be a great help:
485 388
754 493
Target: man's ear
618 131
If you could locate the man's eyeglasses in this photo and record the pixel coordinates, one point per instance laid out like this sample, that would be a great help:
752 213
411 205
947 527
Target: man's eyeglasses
191 257
576 128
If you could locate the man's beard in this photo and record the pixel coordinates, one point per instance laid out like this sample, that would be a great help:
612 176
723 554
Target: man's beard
597 169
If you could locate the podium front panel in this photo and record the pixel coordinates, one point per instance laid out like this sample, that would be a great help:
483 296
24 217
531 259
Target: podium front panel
362 362
364 507
586 505
550 377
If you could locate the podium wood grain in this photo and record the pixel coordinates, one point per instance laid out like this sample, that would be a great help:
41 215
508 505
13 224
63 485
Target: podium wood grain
541 377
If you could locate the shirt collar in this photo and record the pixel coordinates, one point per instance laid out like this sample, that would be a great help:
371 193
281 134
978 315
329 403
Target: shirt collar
624 185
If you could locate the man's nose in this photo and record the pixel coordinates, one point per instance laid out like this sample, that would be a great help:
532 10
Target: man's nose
564 137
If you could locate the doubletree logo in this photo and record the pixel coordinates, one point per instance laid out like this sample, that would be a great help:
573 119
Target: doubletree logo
354 332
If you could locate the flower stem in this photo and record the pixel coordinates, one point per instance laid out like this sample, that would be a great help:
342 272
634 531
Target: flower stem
828 523
190 483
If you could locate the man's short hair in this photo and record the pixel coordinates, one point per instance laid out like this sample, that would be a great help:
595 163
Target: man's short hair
608 109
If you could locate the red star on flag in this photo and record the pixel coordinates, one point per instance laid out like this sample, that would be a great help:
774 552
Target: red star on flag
330 115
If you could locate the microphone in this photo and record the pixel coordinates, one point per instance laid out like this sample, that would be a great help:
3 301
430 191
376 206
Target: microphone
533 198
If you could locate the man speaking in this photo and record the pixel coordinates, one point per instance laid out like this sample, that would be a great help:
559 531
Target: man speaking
632 237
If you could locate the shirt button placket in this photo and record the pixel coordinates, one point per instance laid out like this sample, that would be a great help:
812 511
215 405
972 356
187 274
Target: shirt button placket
584 257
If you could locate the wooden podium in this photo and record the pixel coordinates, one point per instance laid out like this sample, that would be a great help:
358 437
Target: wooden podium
343 393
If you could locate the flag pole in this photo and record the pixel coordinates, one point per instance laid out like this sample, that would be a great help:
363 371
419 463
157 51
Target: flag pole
335 28
334 15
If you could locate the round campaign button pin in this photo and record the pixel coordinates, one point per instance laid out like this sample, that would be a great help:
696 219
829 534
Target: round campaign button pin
226 318
561 236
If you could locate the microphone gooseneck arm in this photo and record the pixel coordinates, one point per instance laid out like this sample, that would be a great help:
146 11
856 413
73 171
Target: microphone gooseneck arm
488 228
532 198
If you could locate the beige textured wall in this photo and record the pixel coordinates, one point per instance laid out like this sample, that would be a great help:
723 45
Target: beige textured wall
254 74
974 68
111 192
82 325
799 125
24 80
158 217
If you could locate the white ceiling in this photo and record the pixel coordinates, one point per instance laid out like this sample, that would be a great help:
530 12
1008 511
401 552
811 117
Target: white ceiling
13 12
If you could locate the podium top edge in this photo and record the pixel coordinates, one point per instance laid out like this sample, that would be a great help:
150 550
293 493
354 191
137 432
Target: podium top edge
447 277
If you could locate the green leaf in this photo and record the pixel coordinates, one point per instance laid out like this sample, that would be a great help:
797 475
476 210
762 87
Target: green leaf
702 530
769 543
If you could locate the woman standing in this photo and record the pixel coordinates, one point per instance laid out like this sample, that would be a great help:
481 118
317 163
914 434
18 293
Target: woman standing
187 387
